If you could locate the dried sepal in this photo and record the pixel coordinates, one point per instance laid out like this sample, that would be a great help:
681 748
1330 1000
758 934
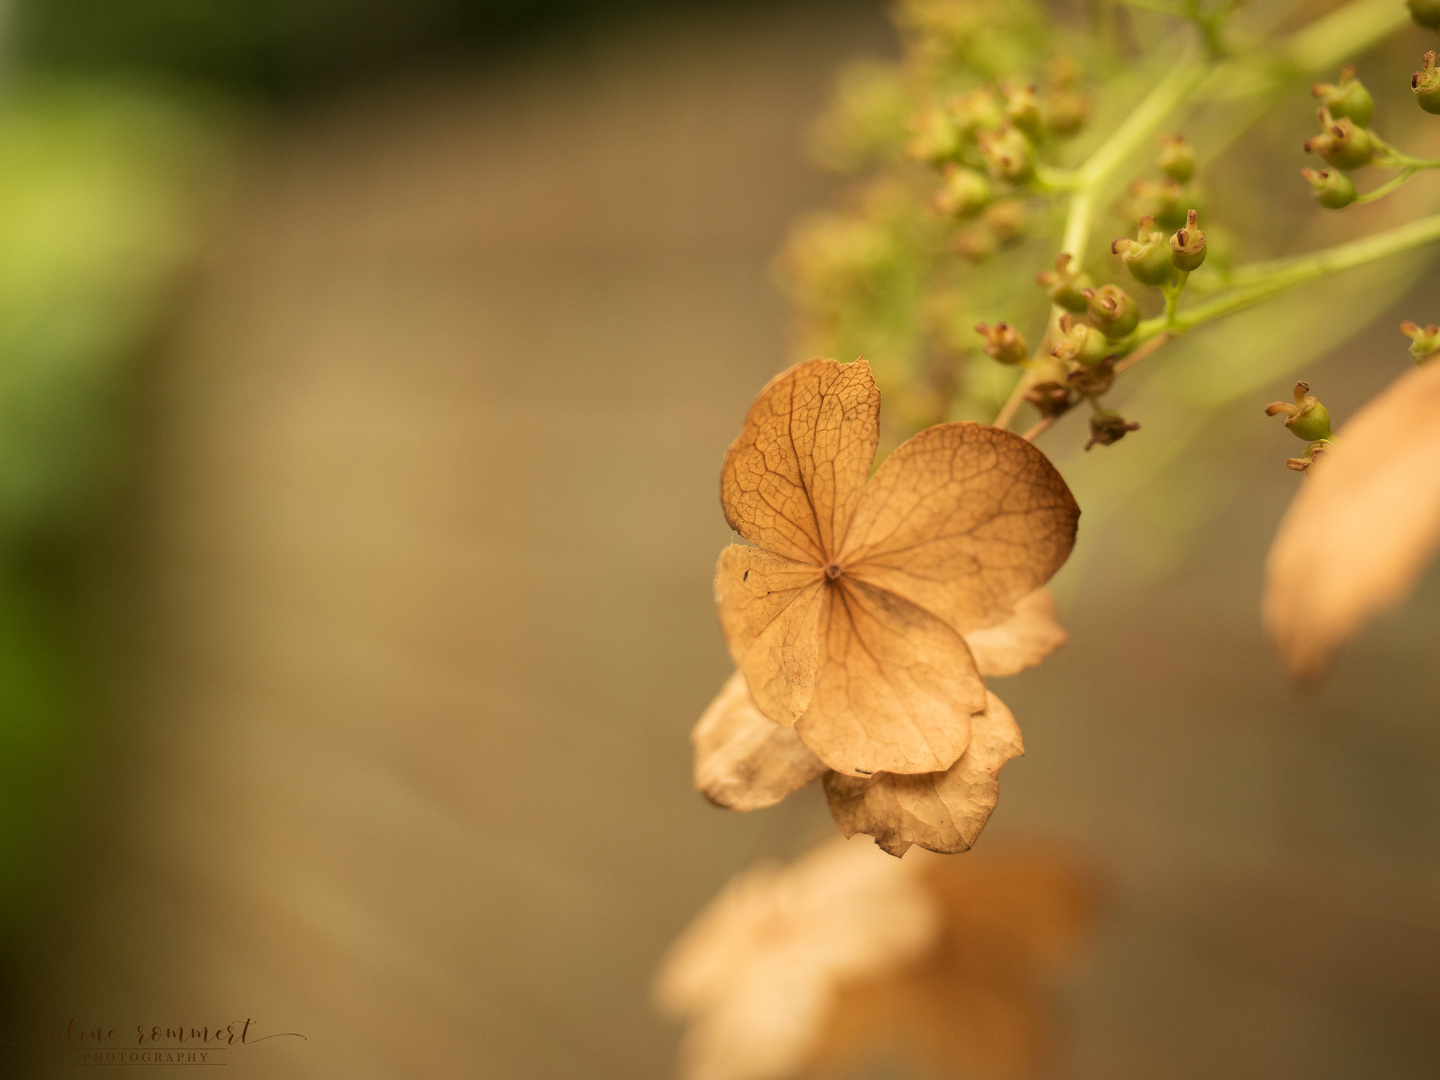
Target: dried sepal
1363 525
743 759
1022 640
942 811
851 625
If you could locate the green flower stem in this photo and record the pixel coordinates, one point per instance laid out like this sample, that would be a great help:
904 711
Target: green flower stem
1260 281
1172 293
1086 183
1387 187
1398 159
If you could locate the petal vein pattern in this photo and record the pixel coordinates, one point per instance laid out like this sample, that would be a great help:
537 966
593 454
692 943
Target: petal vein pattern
962 520
895 688
770 609
791 481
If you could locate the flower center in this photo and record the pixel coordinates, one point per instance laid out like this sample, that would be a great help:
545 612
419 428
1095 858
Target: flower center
833 571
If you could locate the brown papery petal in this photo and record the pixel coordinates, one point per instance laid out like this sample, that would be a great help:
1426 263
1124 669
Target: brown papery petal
1021 641
962 519
895 687
791 480
770 610
1363 525
940 811
743 759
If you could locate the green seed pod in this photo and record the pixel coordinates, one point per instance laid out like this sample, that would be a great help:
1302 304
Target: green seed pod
1187 246
1007 154
1081 343
1341 143
1003 343
964 193
1306 418
1331 188
1426 84
1425 13
1113 311
1177 160
1424 342
1146 257
1346 97
1066 284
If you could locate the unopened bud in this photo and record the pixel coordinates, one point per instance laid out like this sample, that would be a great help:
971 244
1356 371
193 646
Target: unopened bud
1187 246
1426 84
1080 342
1006 220
1064 109
1346 97
1307 418
1425 13
964 193
1107 428
1112 310
976 242
1146 257
1003 343
1066 284
978 110
1341 143
1177 160
1331 187
934 137
1158 199
1050 398
1424 343
1006 153
1022 108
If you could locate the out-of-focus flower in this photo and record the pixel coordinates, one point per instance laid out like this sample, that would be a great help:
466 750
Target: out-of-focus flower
1363 525
845 955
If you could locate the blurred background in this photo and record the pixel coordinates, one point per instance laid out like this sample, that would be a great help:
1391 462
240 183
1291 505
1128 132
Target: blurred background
365 370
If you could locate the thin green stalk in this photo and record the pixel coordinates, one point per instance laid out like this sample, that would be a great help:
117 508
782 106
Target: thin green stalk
1387 187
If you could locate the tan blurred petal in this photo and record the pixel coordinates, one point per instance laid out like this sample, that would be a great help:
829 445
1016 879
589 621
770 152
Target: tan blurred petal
895 688
941 811
743 759
757 971
962 520
1021 641
1363 525
770 609
977 1003
791 480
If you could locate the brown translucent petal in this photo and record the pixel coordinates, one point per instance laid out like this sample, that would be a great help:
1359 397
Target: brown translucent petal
1363 525
743 759
895 687
791 480
964 520
1021 641
978 1002
770 609
941 811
